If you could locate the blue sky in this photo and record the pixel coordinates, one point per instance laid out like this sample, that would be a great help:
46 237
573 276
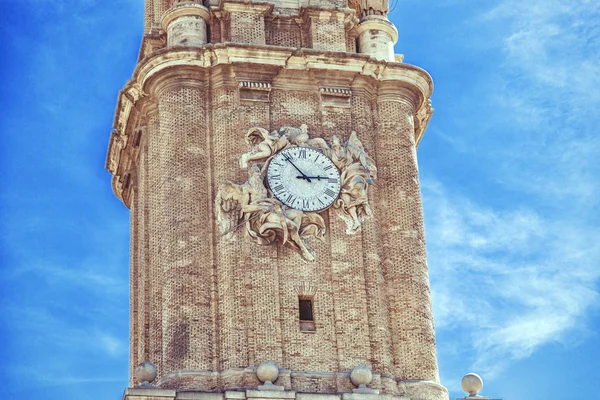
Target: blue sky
509 176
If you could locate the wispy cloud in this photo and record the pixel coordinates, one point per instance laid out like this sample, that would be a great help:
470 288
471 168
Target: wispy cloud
515 273
514 279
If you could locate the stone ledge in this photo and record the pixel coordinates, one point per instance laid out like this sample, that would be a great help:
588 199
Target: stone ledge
162 394
265 394
148 393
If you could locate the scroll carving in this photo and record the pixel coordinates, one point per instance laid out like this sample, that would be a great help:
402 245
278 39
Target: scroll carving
265 219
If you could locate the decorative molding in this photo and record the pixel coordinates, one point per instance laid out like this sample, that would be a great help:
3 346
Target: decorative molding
326 91
336 97
254 91
423 116
255 85
305 290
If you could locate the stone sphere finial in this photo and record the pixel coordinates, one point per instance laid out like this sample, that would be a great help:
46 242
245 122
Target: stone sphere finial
361 376
472 383
267 372
145 373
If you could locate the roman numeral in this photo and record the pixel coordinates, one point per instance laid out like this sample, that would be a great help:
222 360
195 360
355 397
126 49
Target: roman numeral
330 193
275 176
317 157
332 180
279 188
287 156
328 167
302 153
290 199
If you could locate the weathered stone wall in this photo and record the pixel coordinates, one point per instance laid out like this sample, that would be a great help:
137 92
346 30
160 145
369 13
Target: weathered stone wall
209 303
403 241
180 240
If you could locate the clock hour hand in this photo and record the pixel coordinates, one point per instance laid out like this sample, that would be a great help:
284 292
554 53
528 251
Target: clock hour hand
294 165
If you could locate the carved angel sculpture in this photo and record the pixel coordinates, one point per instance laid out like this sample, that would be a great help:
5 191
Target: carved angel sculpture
264 145
357 172
266 220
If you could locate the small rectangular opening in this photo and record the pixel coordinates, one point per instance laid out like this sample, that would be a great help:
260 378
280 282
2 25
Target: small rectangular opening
306 310
307 320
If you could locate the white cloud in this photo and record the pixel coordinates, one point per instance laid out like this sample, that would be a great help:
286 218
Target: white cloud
515 275
542 98
517 279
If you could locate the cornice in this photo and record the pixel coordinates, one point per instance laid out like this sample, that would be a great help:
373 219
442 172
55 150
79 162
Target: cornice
241 6
305 59
185 62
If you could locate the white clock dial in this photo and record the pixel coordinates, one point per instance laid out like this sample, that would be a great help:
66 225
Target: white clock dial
304 179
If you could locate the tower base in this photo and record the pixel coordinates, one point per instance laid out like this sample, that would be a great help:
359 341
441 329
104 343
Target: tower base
416 390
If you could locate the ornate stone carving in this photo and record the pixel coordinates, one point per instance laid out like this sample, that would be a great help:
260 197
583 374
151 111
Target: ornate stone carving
266 219
357 172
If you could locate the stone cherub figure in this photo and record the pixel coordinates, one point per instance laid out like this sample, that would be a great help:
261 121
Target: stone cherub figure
357 173
264 144
266 220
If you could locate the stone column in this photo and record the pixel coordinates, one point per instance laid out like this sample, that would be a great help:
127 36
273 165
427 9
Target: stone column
180 238
185 25
377 37
403 256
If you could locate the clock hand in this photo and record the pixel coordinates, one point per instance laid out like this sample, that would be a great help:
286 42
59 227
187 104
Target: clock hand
312 177
302 173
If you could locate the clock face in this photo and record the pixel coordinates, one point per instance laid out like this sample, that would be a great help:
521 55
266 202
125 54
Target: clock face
304 179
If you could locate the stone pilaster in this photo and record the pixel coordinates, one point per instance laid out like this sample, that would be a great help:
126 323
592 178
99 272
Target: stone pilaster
326 28
181 240
404 257
246 21
232 345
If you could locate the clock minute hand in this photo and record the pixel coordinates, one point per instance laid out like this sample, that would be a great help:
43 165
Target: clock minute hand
294 165
312 177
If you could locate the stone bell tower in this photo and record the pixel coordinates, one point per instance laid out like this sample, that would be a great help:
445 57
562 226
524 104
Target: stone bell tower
237 291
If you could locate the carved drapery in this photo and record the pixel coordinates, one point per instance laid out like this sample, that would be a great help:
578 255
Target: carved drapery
266 220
